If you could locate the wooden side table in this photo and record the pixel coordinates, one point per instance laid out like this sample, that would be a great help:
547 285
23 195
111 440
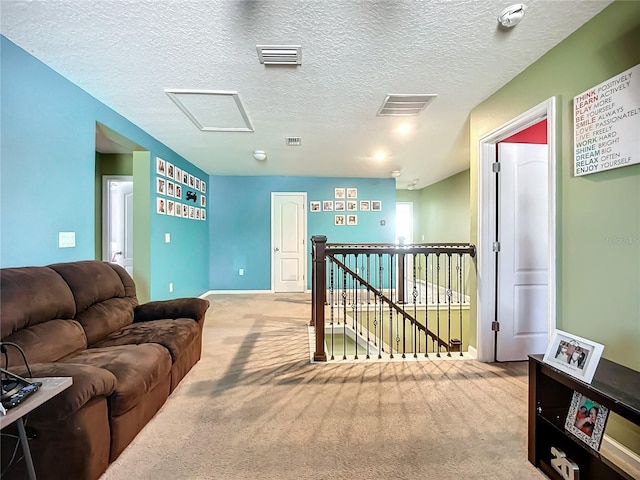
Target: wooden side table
51 386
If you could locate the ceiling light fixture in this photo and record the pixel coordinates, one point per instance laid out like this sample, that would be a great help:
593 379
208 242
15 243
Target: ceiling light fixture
260 155
512 15
379 155
404 128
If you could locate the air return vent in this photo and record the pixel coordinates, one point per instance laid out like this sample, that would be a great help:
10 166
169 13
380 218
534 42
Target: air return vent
280 54
293 141
404 105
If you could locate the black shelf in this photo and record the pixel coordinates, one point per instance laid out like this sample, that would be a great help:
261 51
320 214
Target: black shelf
550 393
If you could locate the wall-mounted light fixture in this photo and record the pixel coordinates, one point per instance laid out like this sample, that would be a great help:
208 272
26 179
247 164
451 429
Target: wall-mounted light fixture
260 155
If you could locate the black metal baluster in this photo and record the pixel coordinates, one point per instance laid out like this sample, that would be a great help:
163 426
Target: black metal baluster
381 347
460 257
438 304
426 305
391 283
331 300
368 303
416 342
449 293
344 323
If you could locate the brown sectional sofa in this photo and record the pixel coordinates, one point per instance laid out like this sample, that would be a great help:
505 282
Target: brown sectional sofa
82 319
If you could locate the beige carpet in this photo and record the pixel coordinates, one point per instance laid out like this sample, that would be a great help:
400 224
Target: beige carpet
255 408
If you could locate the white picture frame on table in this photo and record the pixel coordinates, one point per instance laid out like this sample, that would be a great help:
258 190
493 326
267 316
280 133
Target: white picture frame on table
573 355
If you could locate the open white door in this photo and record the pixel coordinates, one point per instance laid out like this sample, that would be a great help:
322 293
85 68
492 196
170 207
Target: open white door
288 233
523 258
117 230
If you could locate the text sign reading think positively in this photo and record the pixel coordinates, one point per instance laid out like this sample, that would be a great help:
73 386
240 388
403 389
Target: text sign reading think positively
607 124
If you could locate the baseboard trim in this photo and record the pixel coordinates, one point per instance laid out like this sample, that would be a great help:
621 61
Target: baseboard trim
233 292
472 352
622 453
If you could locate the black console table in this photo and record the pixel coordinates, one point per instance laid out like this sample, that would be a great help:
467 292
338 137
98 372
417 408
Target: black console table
550 392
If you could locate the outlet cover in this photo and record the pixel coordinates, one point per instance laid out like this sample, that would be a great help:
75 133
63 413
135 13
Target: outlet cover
66 239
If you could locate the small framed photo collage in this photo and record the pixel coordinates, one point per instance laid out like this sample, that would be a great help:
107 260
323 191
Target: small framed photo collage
345 206
179 193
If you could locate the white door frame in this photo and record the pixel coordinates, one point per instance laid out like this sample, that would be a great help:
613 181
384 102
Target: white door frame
487 221
106 212
304 239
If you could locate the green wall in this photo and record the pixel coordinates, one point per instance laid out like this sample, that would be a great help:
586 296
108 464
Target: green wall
444 210
598 215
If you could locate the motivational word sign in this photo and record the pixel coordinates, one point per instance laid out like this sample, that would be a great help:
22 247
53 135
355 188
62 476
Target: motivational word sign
607 124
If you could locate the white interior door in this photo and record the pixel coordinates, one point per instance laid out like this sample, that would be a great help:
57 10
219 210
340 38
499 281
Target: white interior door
288 233
523 233
118 221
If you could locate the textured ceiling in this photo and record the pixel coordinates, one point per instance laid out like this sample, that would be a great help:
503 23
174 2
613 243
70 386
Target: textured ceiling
126 53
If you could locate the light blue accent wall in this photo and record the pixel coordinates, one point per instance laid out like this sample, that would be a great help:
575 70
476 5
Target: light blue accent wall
47 172
240 223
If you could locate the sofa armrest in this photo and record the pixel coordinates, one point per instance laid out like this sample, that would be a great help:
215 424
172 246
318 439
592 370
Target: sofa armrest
194 308
88 382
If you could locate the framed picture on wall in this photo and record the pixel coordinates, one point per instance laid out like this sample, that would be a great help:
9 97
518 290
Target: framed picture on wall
314 206
352 219
170 188
185 211
365 205
178 209
161 206
575 356
178 191
339 220
203 186
178 175
161 166
338 205
376 205
352 206
170 170
203 201
192 211
339 193
203 214
586 420
170 207
185 178
161 186
327 206
197 213
197 185
192 181
352 193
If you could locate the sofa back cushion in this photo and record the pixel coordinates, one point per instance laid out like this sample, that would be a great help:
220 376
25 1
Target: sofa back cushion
104 304
36 312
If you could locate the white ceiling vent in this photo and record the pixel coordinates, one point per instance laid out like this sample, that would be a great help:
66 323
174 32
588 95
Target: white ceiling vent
280 54
293 141
404 105
212 110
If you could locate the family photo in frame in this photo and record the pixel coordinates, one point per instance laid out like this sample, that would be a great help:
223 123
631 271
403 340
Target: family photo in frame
586 420
573 355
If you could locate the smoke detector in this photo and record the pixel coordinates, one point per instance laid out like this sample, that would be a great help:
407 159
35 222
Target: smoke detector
511 16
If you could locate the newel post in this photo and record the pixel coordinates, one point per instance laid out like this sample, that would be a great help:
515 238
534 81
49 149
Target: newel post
318 293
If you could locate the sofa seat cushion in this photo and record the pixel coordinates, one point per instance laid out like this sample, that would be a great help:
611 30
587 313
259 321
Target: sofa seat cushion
137 369
88 382
175 335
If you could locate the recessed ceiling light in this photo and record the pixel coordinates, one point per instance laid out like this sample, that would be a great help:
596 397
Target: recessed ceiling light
512 15
404 128
380 155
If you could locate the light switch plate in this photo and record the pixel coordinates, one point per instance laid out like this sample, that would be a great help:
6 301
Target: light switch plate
66 239
167 238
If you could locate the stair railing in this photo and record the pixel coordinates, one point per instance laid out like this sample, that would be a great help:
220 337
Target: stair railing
362 288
